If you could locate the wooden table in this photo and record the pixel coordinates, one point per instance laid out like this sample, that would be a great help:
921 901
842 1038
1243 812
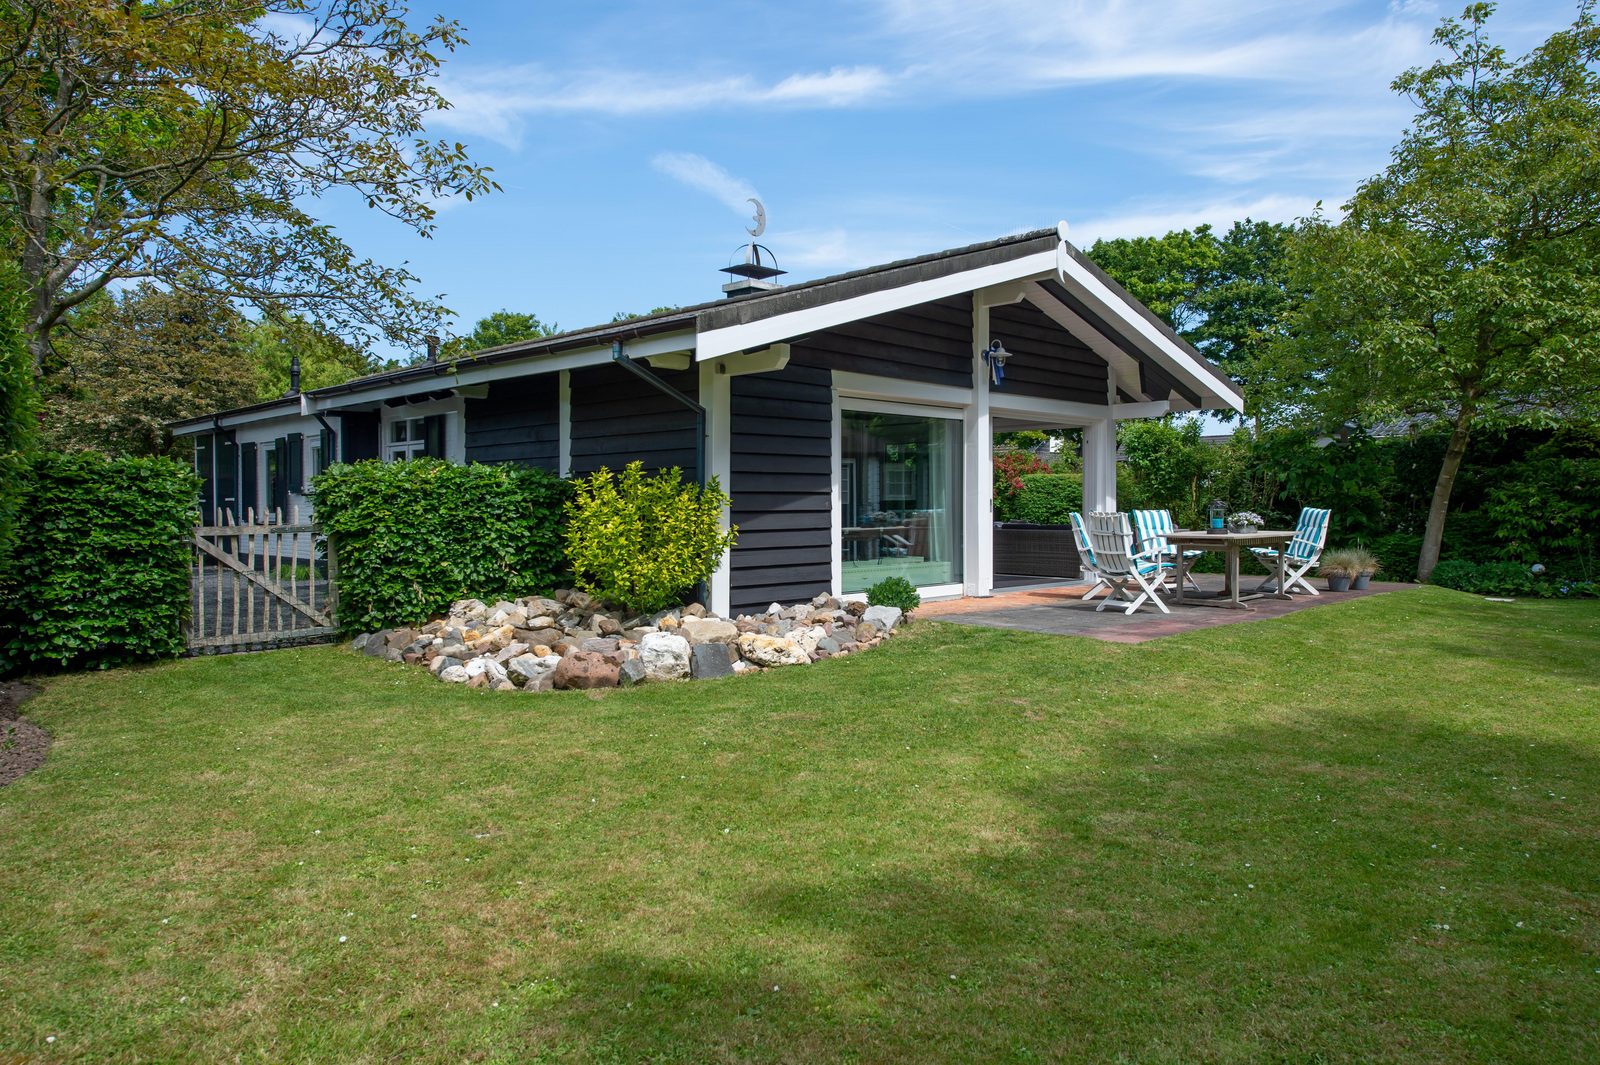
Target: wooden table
1230 543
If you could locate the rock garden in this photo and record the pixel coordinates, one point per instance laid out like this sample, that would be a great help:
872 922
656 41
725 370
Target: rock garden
572 641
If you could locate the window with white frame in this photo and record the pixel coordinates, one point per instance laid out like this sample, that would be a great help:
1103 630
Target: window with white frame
408 439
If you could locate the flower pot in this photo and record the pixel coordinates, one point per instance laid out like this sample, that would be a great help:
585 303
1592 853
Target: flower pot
1339 583
1244 528
1360 581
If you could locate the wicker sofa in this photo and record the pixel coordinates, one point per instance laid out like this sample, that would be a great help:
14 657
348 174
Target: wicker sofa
1035 550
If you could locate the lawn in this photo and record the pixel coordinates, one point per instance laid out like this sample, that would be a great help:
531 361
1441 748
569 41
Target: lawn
1366 832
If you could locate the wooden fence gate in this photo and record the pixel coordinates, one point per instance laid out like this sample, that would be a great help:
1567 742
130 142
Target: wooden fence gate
258 584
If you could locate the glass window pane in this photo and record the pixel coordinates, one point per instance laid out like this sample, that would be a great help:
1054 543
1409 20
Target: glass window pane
900 503
397 430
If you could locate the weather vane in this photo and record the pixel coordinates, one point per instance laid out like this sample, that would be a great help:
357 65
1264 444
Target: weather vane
760 219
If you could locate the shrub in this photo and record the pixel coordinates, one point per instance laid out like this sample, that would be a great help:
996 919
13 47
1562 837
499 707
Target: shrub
1509 579
644 541
1010 467
894 591
412 537
98 574
1048 498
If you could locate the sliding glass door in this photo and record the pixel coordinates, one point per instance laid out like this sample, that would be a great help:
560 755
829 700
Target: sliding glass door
899 499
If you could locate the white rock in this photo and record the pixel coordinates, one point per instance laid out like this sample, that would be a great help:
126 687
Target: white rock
454 675
766 650
807 637
495 670
885 617
665 656
533 667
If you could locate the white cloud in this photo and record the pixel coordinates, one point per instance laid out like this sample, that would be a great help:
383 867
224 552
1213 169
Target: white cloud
1153 219
497 103
698 172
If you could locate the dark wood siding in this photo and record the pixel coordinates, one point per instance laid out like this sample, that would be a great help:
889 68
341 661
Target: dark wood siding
1046 360
929 342
781 469
519 421
359 435
617 418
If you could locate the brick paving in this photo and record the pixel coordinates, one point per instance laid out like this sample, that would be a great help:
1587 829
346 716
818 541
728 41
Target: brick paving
1060 610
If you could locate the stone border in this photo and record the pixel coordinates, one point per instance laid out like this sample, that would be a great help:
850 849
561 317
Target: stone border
570 641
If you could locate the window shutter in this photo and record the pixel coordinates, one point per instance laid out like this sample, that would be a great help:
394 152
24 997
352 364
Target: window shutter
278 476
249 480
325 455
296 444
433 430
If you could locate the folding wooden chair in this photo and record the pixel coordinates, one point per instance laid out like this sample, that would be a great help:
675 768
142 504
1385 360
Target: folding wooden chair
1310 534
1124 569
1086 558
1153 527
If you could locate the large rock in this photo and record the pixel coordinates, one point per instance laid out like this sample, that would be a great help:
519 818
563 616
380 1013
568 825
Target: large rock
442 663
807 637
764 650
454 675
606 625
377 644
584 670
400 638
537 634
632 672
665 656
708 630
710 660
885 617
694 610
533 668
603 644
487 667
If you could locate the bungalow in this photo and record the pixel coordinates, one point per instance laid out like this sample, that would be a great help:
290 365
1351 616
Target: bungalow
851 419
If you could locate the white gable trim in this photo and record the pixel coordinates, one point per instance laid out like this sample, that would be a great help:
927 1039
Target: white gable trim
714 343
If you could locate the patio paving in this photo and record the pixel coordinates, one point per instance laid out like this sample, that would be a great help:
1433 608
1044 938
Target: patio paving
1059 610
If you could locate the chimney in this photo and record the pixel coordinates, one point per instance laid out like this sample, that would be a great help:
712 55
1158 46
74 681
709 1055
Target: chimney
433 347
294 375
755 274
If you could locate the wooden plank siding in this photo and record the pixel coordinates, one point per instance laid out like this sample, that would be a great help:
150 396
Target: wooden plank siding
617 418
518 422
930 342
1046 361
781 468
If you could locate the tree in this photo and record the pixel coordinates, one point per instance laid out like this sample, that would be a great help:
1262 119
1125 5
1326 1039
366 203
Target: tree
143 359
16 371
179 142
325 359
1225 295
501 327
1463 286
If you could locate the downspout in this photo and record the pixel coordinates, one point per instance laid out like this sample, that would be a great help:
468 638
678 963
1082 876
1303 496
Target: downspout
621 358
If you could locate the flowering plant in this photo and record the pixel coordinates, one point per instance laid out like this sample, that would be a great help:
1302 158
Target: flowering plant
1246 517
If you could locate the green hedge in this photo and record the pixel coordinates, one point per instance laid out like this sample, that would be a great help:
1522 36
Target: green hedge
412 537
1048 498
98 574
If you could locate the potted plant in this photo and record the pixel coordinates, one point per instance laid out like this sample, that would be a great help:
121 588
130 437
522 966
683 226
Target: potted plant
1245 521
1336 567
1365 564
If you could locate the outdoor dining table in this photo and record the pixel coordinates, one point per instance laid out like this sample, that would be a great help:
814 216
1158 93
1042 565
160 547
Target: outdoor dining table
1231 543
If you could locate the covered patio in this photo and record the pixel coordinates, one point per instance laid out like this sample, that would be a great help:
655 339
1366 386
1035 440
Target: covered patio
1061 610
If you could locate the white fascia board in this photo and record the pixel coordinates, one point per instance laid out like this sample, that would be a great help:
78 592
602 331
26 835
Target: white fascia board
893 390
466 374
1062 412
717 342
1078 279
249 417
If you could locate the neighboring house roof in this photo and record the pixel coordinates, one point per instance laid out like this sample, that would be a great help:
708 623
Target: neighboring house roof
722 326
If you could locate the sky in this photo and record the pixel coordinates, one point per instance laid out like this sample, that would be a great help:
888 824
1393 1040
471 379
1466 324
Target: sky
628 136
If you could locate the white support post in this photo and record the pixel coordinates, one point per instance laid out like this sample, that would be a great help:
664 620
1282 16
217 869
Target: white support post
716 395
836 499
564 424
978 515
1100 465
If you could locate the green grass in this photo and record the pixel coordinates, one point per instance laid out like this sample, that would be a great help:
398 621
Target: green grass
1366 832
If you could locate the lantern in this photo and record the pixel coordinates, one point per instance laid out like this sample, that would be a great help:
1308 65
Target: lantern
1219 515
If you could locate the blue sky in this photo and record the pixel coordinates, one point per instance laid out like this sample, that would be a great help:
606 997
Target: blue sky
626 136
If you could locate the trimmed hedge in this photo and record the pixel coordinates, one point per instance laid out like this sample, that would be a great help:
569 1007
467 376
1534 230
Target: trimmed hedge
1048 498
98 574
413 537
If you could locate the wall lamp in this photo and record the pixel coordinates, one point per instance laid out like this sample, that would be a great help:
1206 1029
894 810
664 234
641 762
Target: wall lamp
996 355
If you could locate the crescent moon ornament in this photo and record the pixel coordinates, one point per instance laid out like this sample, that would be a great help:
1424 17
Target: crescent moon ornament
760 219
